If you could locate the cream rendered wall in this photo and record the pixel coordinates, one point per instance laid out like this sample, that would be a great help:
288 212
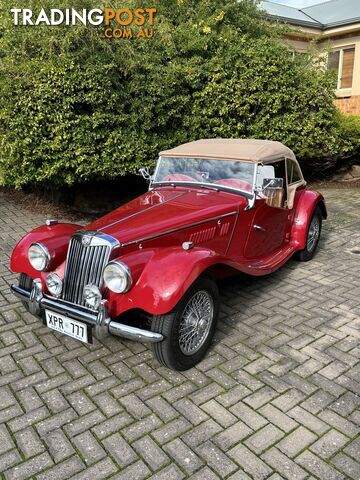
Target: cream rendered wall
297 45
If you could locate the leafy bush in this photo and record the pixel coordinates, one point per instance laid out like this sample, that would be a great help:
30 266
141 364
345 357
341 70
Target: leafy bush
76 107
349 135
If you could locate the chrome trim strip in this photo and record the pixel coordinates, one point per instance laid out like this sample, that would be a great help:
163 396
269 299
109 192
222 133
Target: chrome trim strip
155 173
209 186
142 211
233 231
178 229
98 319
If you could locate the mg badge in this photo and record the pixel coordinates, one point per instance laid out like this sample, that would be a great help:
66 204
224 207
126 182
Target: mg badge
86 240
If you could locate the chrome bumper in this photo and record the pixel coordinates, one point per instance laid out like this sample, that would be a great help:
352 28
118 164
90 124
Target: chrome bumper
99 320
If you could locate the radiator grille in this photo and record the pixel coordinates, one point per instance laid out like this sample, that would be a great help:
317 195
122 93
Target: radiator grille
84 265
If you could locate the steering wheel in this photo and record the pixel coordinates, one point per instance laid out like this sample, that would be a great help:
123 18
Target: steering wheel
235 183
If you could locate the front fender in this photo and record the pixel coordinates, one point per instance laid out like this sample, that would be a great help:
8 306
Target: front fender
55 237
305 208
160 282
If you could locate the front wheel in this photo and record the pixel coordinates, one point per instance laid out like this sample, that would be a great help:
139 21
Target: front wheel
188 329
313 237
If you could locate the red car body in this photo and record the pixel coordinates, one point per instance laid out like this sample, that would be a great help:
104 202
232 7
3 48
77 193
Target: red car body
175 233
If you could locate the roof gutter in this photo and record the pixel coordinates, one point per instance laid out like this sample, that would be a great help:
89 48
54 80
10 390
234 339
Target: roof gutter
314 24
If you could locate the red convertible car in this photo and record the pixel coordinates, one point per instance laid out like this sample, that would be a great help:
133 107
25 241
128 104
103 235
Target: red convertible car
147 271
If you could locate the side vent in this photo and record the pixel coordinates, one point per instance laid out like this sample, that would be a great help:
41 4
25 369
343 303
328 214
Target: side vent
203 235
224 230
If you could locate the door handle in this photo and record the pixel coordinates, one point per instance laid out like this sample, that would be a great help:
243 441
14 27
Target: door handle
257 227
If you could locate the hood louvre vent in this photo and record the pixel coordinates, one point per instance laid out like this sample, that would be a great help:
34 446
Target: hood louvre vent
203 235
224 230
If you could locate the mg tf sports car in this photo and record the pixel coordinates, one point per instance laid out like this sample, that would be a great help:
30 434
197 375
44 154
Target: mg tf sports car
147 271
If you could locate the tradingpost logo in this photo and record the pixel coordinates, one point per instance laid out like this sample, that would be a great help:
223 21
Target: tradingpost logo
121 23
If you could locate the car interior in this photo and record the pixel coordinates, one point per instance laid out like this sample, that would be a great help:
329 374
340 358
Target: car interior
275 196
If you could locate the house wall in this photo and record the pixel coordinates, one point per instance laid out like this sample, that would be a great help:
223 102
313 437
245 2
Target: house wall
348 42
349 106
348 100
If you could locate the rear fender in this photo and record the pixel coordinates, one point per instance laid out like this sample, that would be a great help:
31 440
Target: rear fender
305 208
54 237
160 278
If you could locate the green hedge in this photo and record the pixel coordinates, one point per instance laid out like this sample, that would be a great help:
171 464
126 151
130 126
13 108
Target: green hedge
76 107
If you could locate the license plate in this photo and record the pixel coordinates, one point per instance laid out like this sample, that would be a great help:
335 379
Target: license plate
68 326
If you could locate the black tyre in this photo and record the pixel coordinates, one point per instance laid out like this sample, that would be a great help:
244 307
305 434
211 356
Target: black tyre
25 282
188 329
313 237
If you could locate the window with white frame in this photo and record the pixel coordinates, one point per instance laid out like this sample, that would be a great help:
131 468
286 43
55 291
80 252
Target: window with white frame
342 62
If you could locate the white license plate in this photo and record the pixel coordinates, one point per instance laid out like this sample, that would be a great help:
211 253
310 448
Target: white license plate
67 325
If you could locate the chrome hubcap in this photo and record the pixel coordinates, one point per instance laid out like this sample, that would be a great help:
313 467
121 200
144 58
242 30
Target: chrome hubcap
313 235
196 322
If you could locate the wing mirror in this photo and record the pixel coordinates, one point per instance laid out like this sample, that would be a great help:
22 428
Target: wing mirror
144 172
272 183
273 191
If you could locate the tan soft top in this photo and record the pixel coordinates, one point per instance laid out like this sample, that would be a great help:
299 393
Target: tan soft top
247 150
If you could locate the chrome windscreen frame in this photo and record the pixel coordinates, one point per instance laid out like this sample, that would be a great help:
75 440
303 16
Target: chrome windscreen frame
212 186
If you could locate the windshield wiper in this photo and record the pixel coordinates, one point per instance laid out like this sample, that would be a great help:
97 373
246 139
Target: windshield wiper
209 187
187 184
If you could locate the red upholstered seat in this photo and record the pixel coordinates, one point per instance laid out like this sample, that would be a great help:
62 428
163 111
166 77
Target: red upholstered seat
235 183
178 177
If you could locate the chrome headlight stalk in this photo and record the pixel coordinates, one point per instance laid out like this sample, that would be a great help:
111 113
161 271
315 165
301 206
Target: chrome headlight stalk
39 256
54 284
117 277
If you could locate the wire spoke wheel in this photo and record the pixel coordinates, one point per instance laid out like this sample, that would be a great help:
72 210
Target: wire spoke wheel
313 234
196 322
188 329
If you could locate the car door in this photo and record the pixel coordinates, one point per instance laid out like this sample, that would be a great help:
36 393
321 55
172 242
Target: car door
269 223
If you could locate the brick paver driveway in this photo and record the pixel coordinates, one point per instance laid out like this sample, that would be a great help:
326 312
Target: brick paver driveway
277 397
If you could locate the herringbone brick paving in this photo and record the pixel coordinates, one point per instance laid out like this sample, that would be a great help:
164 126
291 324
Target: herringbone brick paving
277 397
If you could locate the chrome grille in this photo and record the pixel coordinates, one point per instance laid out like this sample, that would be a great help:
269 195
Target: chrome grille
87 257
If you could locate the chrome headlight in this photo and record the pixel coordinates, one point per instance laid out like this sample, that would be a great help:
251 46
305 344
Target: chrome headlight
54 284
117 277
39 256
92 296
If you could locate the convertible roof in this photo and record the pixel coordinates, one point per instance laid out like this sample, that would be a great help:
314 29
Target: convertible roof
248 150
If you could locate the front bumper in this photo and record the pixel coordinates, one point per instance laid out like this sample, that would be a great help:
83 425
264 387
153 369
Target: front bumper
99 320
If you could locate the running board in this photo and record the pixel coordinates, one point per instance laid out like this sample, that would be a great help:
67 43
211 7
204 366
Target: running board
271 262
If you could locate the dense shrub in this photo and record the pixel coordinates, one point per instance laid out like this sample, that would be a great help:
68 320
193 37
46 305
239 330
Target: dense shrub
75 107
349 135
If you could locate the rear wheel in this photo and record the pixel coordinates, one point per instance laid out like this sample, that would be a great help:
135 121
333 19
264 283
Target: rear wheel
26 283
188 329
313 237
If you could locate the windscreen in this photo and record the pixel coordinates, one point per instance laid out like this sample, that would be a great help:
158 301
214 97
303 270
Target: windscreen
236 175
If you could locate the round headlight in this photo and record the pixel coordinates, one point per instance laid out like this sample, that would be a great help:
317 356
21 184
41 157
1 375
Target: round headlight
92 296
39 256
117 277
54 284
